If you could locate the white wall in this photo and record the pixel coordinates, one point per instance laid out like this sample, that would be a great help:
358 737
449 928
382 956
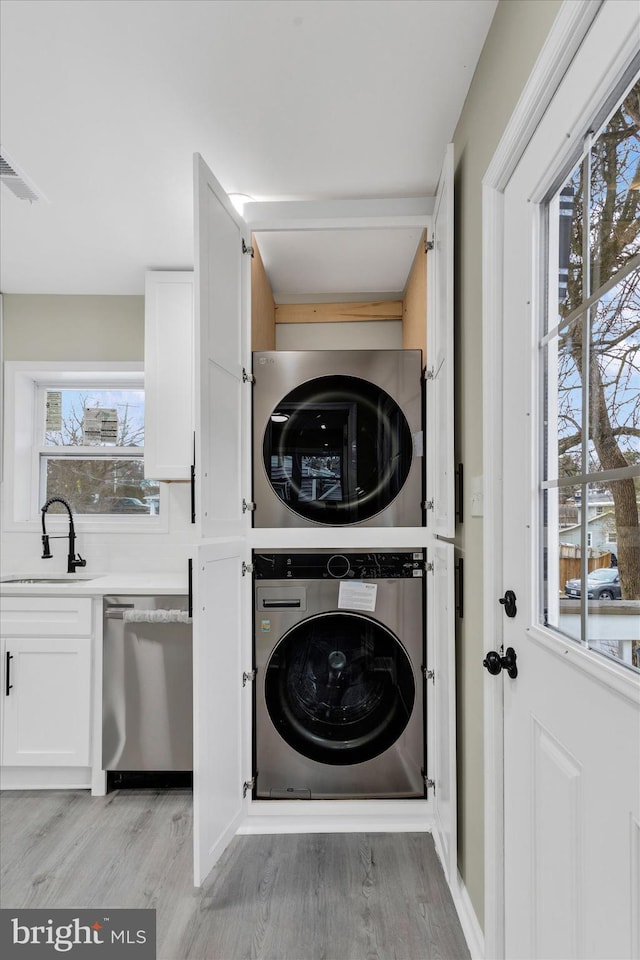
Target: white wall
84 328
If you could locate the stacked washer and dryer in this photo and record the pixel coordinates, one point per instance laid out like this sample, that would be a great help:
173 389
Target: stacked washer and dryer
338 634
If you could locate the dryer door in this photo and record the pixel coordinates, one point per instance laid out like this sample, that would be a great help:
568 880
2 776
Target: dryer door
337 450
339 688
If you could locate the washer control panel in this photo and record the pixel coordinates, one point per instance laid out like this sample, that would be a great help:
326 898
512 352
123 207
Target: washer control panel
337 565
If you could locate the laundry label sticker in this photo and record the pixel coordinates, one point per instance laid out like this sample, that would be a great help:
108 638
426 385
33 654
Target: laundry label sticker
357 595
265 626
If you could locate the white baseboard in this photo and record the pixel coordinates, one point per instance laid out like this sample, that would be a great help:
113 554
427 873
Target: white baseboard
471 928
45 778
338 816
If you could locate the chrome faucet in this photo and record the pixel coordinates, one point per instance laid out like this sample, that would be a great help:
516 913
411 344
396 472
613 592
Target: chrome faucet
73 561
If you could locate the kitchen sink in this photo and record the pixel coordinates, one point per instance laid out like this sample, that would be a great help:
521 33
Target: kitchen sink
47 580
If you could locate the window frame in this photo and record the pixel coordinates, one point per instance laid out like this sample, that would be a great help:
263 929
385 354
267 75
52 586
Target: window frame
550 327
24 383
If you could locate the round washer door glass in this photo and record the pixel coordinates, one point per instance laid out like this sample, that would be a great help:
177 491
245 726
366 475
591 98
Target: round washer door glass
337 450
339 688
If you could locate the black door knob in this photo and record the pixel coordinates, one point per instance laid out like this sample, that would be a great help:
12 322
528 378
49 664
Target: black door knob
495 663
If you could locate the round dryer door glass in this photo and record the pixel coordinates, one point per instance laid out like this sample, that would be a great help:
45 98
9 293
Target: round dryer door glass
337 450
339 688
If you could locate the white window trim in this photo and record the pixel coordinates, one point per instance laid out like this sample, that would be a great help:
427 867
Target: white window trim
21 510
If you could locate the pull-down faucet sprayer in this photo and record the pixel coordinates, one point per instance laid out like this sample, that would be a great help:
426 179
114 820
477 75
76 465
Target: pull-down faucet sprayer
73 561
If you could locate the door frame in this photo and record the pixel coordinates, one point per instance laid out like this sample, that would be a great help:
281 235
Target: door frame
569 29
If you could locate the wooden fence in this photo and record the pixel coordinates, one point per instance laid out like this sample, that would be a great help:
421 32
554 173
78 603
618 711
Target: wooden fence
571 560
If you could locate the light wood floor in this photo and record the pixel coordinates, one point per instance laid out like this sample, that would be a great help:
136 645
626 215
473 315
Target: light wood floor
293 897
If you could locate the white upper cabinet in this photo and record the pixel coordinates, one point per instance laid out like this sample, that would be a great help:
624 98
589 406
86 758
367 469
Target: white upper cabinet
168 376
440 453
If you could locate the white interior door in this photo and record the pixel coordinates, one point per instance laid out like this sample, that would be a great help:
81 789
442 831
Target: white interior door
571 716
222 297
441 696
440 464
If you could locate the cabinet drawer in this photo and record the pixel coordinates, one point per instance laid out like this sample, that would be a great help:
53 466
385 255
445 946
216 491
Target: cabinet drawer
46 616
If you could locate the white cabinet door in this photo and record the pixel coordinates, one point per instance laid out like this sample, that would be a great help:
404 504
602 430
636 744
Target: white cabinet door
222 296
46 702
442 697
222 601
440 454
168 375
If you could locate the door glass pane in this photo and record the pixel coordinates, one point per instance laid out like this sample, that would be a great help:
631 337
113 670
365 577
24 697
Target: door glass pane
567 233
615 192
613 586
564 403
562 559
614 383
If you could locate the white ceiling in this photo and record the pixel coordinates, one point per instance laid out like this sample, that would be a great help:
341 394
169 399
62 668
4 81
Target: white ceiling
104 103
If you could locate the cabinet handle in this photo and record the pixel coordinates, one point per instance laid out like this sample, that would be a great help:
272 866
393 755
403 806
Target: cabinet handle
193 483
8 674
190 573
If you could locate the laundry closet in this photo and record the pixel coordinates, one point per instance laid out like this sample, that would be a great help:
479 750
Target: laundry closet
316 584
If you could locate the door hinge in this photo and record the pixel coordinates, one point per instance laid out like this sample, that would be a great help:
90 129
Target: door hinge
429 244
248 505
248 785
429 674
429 566
429 784
247 249
249 677
246 568
430 373
247 377
429 504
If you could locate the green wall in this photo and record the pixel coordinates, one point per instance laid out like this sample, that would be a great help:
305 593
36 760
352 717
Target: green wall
49 327
517 35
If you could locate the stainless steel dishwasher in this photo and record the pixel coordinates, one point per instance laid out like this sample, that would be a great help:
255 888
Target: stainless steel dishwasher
147 684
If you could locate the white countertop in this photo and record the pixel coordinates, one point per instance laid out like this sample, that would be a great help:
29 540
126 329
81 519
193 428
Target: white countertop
97 585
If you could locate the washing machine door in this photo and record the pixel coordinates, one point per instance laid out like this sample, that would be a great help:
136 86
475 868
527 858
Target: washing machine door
339 688
337 450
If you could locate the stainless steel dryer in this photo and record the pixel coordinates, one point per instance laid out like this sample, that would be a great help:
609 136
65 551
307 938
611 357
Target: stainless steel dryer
337 438
339 708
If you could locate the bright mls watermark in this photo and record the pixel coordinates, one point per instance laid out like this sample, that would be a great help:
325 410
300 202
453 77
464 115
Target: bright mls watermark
79 934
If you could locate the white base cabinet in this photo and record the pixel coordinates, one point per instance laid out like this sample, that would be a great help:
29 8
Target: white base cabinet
47 702
46 681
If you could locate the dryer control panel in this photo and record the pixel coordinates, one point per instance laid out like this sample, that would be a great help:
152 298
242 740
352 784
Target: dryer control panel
328 565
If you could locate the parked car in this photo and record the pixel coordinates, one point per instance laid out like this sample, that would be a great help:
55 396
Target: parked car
602 584
124 505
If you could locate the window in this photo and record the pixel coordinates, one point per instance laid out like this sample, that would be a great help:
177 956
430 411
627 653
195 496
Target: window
591 351
77 432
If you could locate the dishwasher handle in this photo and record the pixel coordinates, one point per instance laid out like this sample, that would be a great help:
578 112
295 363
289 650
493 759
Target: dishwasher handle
115 611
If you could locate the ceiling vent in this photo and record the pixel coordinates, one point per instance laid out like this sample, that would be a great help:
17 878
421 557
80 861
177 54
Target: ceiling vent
16 181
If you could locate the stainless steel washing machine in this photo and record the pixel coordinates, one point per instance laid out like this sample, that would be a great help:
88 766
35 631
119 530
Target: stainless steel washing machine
339 697
337 438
